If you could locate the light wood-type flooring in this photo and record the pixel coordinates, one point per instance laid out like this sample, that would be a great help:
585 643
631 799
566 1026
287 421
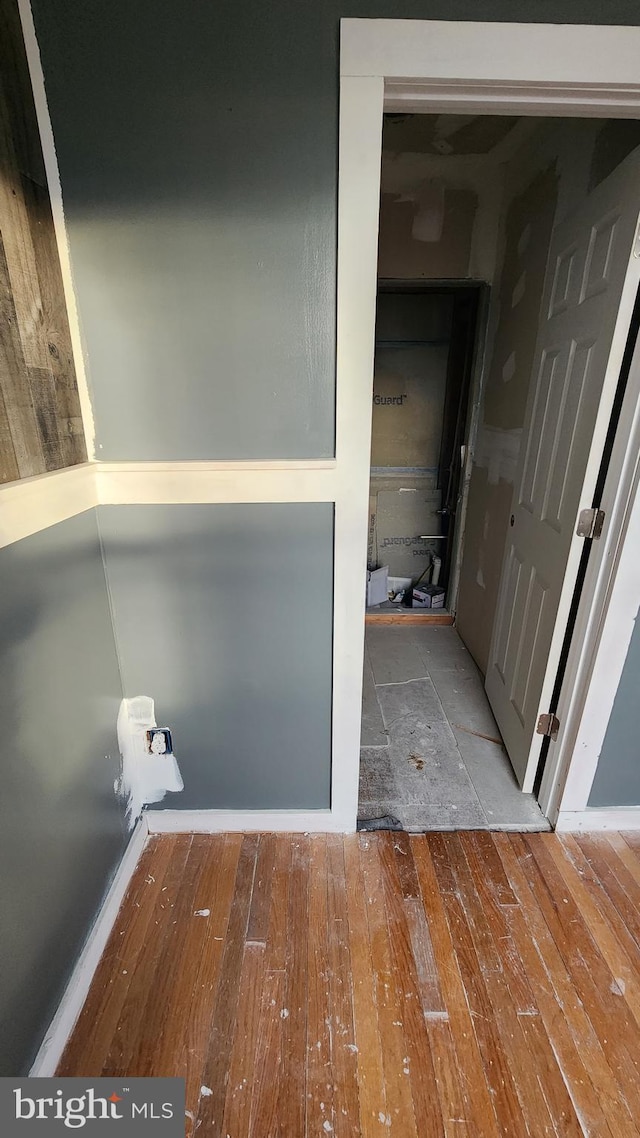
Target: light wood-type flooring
380 984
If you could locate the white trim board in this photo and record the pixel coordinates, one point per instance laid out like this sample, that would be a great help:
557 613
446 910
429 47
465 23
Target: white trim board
241 821
76 991
544 57
580 101
33 504
520 68
598 818
124 483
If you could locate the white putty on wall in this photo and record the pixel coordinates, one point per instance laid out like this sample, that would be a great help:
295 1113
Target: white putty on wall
497 452
145 777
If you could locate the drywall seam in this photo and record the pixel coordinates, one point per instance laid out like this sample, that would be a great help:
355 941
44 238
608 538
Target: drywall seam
76 991
55 196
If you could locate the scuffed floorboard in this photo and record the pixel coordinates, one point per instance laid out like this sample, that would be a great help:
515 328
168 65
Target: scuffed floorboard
467 984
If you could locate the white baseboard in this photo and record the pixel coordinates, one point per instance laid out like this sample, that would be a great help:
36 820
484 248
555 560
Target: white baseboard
599 818
77 989
233 821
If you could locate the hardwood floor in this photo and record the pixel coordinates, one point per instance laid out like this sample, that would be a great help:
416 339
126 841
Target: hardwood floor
444 984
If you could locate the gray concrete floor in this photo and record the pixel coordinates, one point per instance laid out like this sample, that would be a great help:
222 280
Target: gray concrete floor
431 754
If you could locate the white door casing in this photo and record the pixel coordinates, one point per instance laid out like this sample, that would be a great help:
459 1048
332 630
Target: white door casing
590 287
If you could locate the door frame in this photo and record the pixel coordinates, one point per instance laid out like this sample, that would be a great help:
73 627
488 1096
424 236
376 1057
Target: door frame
473 406
467 67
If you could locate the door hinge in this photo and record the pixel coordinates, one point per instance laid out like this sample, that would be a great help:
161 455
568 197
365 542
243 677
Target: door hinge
548 725
590 523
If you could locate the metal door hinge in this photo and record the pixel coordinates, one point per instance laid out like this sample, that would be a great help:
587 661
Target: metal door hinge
590 523
548 725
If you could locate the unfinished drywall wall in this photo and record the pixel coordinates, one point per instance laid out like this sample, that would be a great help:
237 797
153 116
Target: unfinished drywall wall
617 779
223 615
61 826
40 421
403 255
441 191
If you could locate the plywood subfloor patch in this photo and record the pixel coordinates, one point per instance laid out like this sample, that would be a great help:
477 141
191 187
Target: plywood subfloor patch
379 984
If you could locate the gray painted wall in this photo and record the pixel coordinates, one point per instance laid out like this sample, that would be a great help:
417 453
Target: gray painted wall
198 149
61 829
223 616
617 781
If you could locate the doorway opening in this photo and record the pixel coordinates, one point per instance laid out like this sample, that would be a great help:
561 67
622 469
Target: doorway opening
502 260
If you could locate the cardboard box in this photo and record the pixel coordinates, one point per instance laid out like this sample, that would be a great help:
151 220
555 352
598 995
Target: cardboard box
427 597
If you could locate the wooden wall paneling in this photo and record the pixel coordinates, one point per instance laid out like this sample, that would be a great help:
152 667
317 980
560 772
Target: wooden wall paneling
14 381
40 420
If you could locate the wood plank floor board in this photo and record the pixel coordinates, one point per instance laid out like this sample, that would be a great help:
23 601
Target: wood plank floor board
371 1082
495 1054
215 1072
465 1057
242 1064
171 959
340 982
418 1057
268 1064
590 979
258 925
546 1074
596 865
292 1084
215 892
126 1036
488 882
602 920
320 1080
571 1035
626 855
98 1020
400 1115
183 952
504 991
454 985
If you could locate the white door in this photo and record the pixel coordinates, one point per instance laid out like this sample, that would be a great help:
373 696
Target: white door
591 282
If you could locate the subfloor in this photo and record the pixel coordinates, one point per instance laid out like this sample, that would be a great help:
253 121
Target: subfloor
431 754
378 984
